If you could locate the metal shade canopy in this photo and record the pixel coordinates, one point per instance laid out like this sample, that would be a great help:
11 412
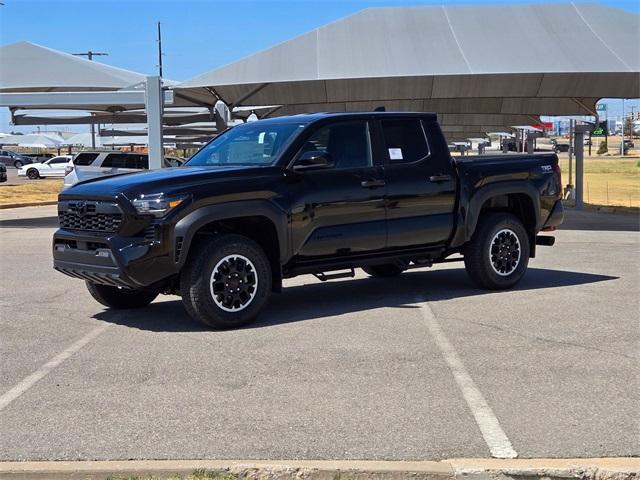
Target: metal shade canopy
27 67
34 140
540 62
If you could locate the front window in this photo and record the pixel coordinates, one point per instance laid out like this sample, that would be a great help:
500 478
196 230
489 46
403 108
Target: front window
252 144
58 160
346 143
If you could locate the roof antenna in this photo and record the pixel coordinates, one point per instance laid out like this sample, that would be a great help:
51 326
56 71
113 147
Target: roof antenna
380 109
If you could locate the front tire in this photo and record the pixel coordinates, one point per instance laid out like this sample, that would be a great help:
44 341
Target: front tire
18 164
226 281
120 298
387 270
498 253
33 174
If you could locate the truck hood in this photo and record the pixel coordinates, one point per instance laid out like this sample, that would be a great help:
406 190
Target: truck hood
162 180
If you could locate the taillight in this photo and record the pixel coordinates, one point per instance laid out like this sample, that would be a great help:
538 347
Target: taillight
67 170
556 168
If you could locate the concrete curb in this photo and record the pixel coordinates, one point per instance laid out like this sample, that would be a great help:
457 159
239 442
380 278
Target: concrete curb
453 469
28 204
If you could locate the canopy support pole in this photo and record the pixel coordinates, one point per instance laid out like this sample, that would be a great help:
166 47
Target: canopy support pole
154 107
222 116
579 131
93 136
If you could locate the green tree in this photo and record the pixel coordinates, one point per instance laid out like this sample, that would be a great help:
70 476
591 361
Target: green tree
628 126
602 149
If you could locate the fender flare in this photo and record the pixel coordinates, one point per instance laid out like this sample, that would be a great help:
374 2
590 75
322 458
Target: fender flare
192 222
483 194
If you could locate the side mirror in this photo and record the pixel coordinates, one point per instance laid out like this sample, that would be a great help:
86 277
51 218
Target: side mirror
313 160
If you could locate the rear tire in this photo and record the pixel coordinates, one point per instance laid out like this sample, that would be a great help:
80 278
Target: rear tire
18 164
33 174
498 253
226 281
120 298
387 270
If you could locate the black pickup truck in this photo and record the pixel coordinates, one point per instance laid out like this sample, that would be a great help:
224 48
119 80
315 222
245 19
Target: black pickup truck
318 194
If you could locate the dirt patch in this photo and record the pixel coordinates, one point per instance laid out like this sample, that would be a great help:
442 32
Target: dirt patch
28 193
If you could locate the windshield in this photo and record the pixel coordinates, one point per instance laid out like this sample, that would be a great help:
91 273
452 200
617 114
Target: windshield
254 144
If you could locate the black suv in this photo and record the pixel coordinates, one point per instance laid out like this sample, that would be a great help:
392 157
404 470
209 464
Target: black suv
310 194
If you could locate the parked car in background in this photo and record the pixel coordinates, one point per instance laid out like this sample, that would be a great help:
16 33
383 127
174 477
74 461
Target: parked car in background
54 167
89 165
545 145
560 146
3 173
9 157
39 157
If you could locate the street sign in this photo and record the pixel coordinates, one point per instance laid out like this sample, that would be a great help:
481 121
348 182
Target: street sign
599 130
601 107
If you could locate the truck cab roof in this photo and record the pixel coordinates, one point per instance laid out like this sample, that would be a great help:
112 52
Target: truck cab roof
307 118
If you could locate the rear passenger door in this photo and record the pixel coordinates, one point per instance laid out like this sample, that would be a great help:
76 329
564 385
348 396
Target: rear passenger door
421 185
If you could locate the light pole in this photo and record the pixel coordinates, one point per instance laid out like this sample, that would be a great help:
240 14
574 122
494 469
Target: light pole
159 51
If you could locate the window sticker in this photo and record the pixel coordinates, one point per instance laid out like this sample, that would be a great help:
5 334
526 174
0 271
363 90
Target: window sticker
395 153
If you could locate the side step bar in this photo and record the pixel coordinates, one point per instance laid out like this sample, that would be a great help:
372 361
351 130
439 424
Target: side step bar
323 277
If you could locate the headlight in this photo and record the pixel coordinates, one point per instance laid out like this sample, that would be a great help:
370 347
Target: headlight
157 204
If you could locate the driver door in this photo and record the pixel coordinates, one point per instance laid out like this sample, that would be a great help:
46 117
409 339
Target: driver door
55 167
339 209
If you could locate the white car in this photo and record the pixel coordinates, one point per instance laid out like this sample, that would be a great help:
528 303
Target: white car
54 167
88 165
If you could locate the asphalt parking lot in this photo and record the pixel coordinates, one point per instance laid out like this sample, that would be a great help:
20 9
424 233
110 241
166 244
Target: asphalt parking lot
422 367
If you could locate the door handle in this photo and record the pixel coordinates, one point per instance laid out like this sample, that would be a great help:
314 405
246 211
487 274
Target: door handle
439 178
373 183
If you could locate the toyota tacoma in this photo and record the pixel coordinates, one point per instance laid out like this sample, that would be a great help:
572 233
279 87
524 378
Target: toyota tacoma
317 194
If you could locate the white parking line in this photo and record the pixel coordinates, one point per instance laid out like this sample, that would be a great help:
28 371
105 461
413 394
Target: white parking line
492 432
39 374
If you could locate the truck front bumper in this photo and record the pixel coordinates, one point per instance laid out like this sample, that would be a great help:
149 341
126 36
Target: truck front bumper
130 262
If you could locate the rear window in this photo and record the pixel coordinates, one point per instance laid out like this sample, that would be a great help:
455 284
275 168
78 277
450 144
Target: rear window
404 140
126 160
85 159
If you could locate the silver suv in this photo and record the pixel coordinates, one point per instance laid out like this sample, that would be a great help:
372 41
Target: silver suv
9 157
88 165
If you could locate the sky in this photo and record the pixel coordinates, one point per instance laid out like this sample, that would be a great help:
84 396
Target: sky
197 35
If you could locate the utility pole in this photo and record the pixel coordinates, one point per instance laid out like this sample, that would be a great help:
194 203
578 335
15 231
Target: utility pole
89 54
159 50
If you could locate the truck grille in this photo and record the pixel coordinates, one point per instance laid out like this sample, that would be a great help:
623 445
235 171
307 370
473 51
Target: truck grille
89 216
